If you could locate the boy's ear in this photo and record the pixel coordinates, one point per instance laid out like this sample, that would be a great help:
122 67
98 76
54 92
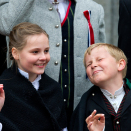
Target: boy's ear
15 53
122 64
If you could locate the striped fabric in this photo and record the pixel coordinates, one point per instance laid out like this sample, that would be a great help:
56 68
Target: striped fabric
116 116
91 40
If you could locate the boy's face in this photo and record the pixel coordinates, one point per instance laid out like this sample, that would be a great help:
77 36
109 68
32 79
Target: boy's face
34 57
101 66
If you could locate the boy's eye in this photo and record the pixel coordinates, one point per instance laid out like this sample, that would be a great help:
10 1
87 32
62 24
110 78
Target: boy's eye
99 59
88 65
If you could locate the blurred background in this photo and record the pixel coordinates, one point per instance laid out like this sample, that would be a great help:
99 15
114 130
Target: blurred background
111 8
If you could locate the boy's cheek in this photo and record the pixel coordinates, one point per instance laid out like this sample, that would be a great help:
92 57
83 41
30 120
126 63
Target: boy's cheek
88 72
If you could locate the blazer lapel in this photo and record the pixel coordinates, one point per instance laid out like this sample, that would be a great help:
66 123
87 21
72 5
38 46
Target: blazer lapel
97 98
127 102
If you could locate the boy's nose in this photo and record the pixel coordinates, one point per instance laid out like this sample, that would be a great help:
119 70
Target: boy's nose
94 64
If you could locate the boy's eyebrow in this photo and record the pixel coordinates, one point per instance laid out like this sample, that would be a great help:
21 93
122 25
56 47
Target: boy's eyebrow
98 57
88 62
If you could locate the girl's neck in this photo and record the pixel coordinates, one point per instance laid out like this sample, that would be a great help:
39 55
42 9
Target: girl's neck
30 77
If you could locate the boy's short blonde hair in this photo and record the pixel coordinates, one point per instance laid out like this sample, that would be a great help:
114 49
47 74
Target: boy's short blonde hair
114 51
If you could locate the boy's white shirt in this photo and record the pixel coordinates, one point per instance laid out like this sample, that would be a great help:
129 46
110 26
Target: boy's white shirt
115 99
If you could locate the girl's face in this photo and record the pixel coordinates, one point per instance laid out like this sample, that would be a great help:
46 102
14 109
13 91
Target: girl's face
34 57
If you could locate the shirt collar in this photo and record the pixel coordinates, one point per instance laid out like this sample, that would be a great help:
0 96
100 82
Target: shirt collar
37 79
35 83
119 91
25 74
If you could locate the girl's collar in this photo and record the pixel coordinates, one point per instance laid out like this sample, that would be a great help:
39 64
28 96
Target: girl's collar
26 75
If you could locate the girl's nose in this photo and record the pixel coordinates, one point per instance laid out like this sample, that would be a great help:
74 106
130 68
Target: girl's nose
42 56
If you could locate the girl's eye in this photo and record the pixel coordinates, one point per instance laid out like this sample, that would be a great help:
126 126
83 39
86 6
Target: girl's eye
35 52
46 51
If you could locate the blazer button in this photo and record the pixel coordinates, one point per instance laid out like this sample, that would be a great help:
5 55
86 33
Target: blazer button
65 70
65 40
115 97
64 100
93 94
65 86
117 122
50 8
56 26
58 44
111 96
56 63
64 56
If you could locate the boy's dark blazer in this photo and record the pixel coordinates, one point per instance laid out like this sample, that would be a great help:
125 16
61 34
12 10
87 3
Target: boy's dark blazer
95 101
124 31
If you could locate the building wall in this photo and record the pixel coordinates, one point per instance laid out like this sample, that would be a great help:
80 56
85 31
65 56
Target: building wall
111 8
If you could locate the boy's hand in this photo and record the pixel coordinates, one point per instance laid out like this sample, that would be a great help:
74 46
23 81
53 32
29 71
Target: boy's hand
2 96
95 122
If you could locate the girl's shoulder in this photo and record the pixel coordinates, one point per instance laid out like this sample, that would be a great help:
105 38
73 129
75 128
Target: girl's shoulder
47 79
50 84
7 73
8 76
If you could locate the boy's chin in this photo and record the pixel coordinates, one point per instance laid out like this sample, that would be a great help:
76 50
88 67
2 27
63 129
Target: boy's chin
97 82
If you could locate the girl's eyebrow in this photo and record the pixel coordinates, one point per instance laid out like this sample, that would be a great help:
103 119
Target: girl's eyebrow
39 48
35 49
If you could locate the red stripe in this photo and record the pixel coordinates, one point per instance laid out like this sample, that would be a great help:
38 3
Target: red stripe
67 12
87 15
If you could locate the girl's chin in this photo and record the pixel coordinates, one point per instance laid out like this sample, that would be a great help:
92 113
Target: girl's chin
40 73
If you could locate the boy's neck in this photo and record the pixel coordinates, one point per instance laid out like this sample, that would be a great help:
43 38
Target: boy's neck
112 86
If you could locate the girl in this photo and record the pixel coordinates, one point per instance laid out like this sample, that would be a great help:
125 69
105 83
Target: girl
33 100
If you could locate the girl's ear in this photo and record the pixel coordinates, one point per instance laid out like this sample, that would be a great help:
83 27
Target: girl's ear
15 53
122 64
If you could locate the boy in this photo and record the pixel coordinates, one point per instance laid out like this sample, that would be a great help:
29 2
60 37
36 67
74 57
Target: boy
106 67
